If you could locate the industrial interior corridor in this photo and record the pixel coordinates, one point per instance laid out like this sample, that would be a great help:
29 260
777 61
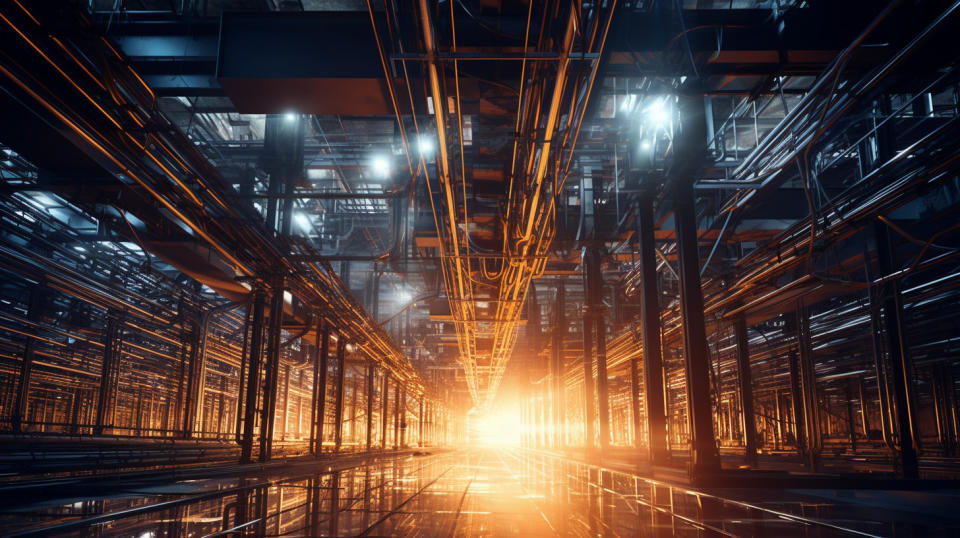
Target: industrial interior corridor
479 268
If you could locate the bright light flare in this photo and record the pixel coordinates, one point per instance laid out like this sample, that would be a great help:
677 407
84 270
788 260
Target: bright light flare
381 166
290 117
302 221
658 114
425 145
501 428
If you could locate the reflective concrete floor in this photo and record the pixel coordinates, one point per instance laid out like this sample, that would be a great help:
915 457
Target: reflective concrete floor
492 492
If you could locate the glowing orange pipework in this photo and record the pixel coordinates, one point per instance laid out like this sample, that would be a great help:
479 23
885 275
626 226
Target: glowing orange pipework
462 290
127 171
440 113
59 70
551 124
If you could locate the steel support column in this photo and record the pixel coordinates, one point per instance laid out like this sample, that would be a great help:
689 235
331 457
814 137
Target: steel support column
745 386
603 391
650 333
191 396
384 407
396 415
109 373
370 373
286 403
556 367
704 451
596 315
901 376
34 304
403 417
945 406
338 405
635 402
796 405
269 405
589 401
253 375
420 418
354 410
808 397
321 348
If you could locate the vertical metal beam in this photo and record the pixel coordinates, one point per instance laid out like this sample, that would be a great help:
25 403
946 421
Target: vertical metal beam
77 404
269 407
34 304
595 315
188 421
221 407
603 393
589 413
650 333
943 399
403 416
901 376
420 418
808 396
397 404
370 373
193 407
556 366
321 402
354 410
428 423
864 419
318 392
704 452
384 407
338 406
635 402
850 420
253 379
286 402
796 405
253 376
241 381
109 374
745 385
